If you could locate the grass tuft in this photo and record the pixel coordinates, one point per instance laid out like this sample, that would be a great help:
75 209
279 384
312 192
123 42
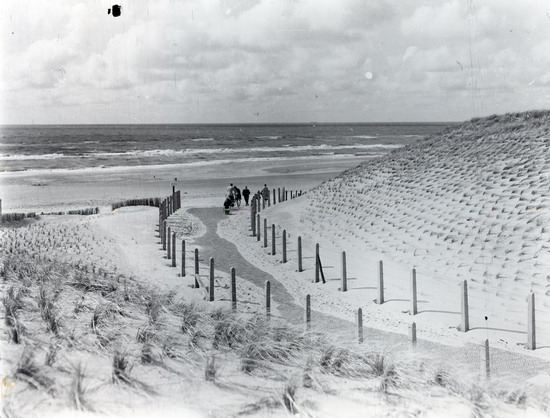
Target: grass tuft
121 368
78 390
28 371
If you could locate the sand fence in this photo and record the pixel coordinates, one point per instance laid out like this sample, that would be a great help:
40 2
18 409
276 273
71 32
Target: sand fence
19 216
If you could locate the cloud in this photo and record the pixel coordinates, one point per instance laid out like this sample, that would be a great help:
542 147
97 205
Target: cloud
229 59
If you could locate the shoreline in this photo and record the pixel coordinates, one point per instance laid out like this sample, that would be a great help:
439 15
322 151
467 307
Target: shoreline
204 186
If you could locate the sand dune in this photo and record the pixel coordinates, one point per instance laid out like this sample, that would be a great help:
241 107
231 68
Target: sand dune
470 203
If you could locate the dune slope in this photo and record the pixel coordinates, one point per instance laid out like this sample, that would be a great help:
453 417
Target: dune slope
469 203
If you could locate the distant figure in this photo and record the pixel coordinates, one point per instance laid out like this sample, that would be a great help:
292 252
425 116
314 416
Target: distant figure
265 193
227 205
246 194
237 192
229 190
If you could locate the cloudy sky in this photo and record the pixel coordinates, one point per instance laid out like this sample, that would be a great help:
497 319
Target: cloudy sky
68 61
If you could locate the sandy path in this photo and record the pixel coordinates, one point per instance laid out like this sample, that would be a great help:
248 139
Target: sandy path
466 358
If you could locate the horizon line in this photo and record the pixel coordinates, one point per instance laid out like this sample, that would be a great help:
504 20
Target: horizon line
235 123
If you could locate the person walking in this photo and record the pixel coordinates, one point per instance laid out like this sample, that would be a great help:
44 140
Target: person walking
265 193
237 196
246 194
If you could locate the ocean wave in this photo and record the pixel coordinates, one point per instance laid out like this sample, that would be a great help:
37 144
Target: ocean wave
198 152
202 139
202 163
269 137
13 157
365 136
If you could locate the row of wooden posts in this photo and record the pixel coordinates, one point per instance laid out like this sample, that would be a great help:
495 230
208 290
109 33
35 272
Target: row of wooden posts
166 208
173 203
413 309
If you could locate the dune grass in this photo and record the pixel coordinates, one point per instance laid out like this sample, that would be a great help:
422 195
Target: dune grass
78 316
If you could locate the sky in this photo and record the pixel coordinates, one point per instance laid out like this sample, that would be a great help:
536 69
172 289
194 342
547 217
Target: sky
271 61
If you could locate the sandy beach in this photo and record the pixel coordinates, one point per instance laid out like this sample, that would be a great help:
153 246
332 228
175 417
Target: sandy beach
202 185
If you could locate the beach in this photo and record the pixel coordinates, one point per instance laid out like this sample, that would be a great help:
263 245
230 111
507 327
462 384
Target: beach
114 324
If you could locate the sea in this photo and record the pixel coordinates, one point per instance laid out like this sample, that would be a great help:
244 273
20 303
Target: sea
68 147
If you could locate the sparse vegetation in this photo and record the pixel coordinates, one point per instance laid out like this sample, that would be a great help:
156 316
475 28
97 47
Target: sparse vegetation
78 307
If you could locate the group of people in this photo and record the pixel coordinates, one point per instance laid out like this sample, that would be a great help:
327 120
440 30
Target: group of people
234 196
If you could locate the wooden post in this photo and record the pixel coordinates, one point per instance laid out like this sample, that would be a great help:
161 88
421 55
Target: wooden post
173 249
168 238
233 289
412 332
300 269
160 226
263 202
308 312
253 219
279 194
284 194
259 227
183 258
196 267
317 267
164 235
274 197
360 325
485 359
531 327
380 299
265 233
259 208
284 246
273 247
268 298
465 318
211 285
344 273
414 300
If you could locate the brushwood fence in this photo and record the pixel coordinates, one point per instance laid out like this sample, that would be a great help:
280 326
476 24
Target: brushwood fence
147 201
12 217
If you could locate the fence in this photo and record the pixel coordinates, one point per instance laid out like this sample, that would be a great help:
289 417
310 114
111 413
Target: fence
147 201
462 295
207 287
10 217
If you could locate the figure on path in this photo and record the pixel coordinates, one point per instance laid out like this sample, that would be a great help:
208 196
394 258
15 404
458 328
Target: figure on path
246 194
237 196
265 193
227 205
